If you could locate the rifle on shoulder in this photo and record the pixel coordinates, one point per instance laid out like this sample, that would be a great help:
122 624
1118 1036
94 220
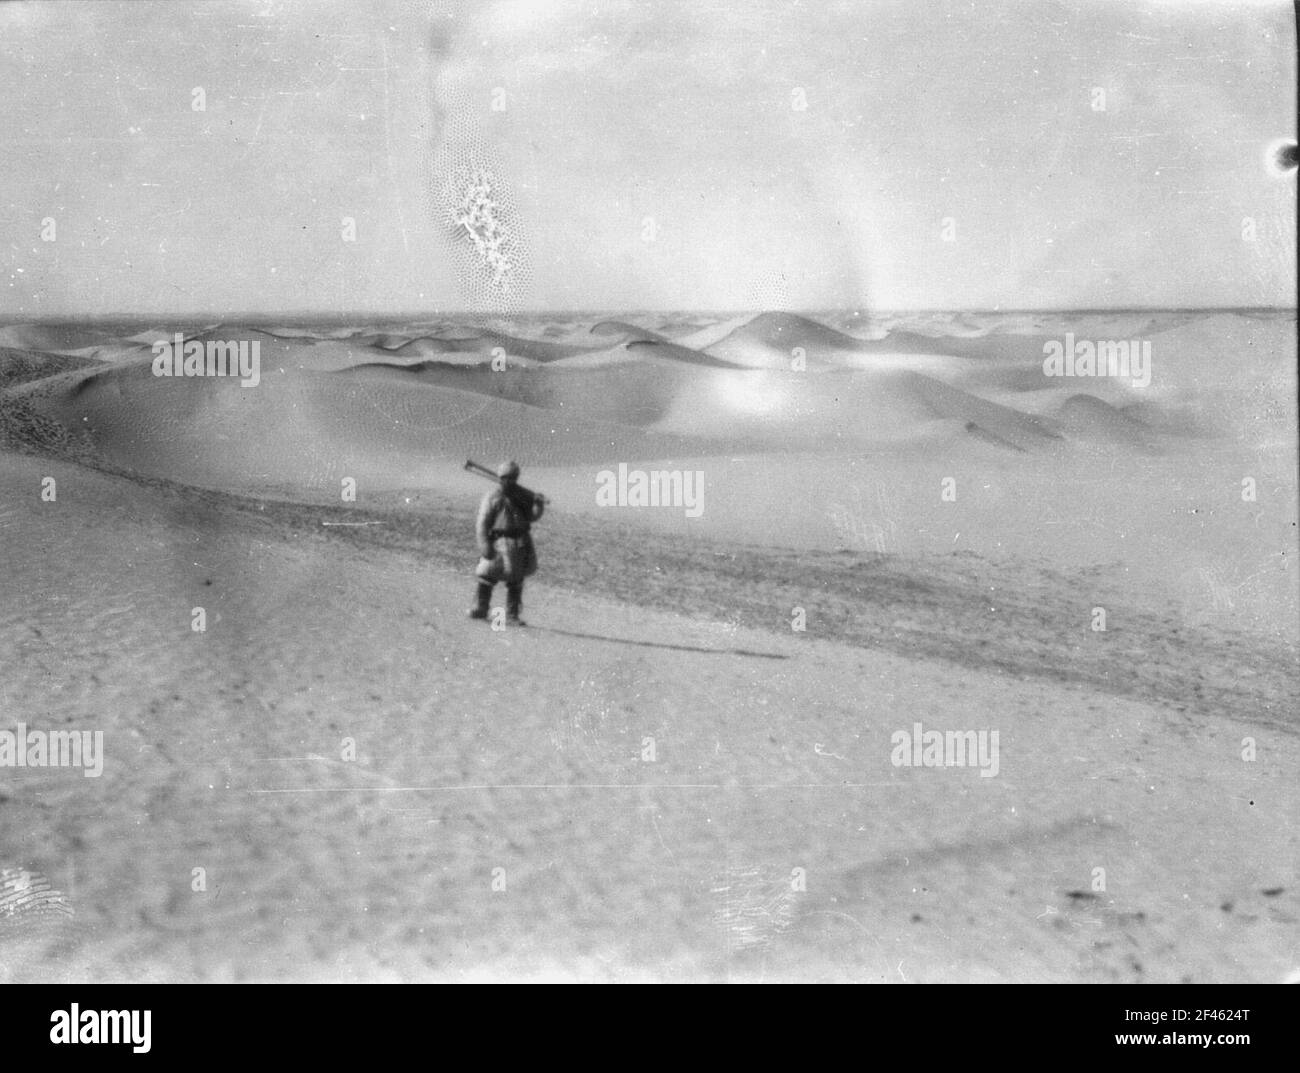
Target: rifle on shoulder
523 498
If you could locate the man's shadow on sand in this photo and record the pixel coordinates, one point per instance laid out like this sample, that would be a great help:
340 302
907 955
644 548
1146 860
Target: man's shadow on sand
661 644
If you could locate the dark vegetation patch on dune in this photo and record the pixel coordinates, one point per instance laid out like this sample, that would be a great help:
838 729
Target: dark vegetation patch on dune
29 430
982 434
55 337
23 366
26 426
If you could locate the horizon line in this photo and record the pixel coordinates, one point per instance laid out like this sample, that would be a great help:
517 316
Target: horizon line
316 316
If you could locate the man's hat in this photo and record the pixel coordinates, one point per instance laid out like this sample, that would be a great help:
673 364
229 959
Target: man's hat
508 469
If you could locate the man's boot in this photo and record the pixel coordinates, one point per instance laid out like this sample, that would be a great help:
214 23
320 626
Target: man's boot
481 600
515 604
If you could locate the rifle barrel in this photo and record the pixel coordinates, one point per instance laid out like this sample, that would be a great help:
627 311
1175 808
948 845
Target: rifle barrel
483 471
474 467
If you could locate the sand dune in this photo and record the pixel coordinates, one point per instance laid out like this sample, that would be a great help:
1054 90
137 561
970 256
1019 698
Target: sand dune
273 349
784 331
990 389
317 354
410 346
1004 370
787 411
688 393
642 341
625 332
686 355
662 400
1224 368
308 430
1001 422
765 340
484 341
629 394
1087 417
770 340
692 335
1024 349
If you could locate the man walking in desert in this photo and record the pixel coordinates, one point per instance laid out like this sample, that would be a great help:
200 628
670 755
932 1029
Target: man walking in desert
505 542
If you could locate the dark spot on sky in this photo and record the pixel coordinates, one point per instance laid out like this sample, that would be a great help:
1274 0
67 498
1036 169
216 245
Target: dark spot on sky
1285 156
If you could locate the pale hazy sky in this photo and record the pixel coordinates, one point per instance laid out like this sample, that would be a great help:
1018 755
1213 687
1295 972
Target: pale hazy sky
603 124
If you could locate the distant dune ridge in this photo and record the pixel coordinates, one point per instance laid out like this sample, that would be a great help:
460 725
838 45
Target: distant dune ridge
483 341
308 429
773 338
611 393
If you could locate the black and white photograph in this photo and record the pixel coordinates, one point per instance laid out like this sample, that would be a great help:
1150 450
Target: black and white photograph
596 491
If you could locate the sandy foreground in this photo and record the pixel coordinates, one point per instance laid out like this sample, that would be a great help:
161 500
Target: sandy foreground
659 779
522 750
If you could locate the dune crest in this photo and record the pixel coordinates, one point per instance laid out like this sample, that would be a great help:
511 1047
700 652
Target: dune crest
1090 418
